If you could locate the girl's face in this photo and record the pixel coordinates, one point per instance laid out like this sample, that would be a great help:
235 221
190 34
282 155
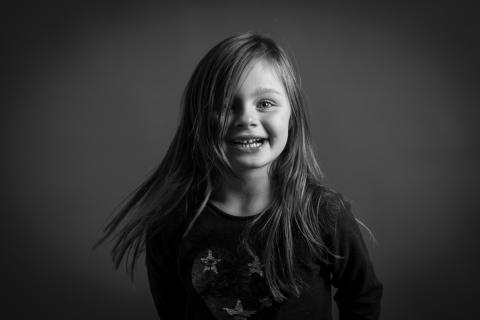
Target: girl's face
258 121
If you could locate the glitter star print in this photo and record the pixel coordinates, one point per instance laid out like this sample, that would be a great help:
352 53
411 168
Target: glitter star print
210 262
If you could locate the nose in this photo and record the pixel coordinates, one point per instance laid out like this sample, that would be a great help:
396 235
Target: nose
244 116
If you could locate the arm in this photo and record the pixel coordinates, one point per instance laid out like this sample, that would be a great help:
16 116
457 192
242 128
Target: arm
166 288
359 291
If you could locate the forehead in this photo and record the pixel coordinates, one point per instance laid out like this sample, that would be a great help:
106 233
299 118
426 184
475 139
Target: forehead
262 74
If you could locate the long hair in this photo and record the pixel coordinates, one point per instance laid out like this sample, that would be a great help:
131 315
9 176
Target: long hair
302 208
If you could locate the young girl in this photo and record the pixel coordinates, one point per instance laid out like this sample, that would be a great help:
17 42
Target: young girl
236 221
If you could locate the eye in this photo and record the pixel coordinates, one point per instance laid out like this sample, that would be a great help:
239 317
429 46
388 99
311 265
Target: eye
265 104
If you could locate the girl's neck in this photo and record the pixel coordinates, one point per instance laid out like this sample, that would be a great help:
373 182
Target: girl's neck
244 196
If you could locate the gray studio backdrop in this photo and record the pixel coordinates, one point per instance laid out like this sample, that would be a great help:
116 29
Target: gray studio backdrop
90 103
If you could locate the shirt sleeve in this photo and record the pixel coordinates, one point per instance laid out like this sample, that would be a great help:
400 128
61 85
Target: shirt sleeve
165 285
359 291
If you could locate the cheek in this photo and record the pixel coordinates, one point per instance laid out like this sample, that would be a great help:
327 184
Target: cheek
279 129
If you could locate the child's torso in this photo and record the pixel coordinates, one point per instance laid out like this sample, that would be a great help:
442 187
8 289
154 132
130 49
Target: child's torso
219 273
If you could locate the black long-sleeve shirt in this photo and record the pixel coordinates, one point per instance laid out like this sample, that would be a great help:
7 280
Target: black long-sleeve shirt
207 275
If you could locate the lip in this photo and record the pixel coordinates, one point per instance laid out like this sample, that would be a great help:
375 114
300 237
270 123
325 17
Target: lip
244 148
247 147
246 137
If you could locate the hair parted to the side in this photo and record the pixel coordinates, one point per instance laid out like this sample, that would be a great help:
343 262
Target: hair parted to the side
303 208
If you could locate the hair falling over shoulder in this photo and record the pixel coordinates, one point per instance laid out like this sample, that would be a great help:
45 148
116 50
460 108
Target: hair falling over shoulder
303 207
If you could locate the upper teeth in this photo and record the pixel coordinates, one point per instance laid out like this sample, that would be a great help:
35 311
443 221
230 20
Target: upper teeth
248 140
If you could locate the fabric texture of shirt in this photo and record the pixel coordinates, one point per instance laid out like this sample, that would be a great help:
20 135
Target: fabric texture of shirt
208 274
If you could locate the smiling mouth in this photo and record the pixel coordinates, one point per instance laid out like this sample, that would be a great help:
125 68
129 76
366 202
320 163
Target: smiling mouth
248 144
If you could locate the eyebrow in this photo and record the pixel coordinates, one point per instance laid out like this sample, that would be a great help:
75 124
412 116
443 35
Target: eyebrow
262 90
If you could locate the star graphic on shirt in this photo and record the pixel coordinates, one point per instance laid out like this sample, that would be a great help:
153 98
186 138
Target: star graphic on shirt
210 262
238 312
255 267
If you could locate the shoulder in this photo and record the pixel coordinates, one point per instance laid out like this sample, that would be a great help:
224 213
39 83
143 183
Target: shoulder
339 224
165 232
330 206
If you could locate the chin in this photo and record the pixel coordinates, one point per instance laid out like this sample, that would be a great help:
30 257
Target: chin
246 166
